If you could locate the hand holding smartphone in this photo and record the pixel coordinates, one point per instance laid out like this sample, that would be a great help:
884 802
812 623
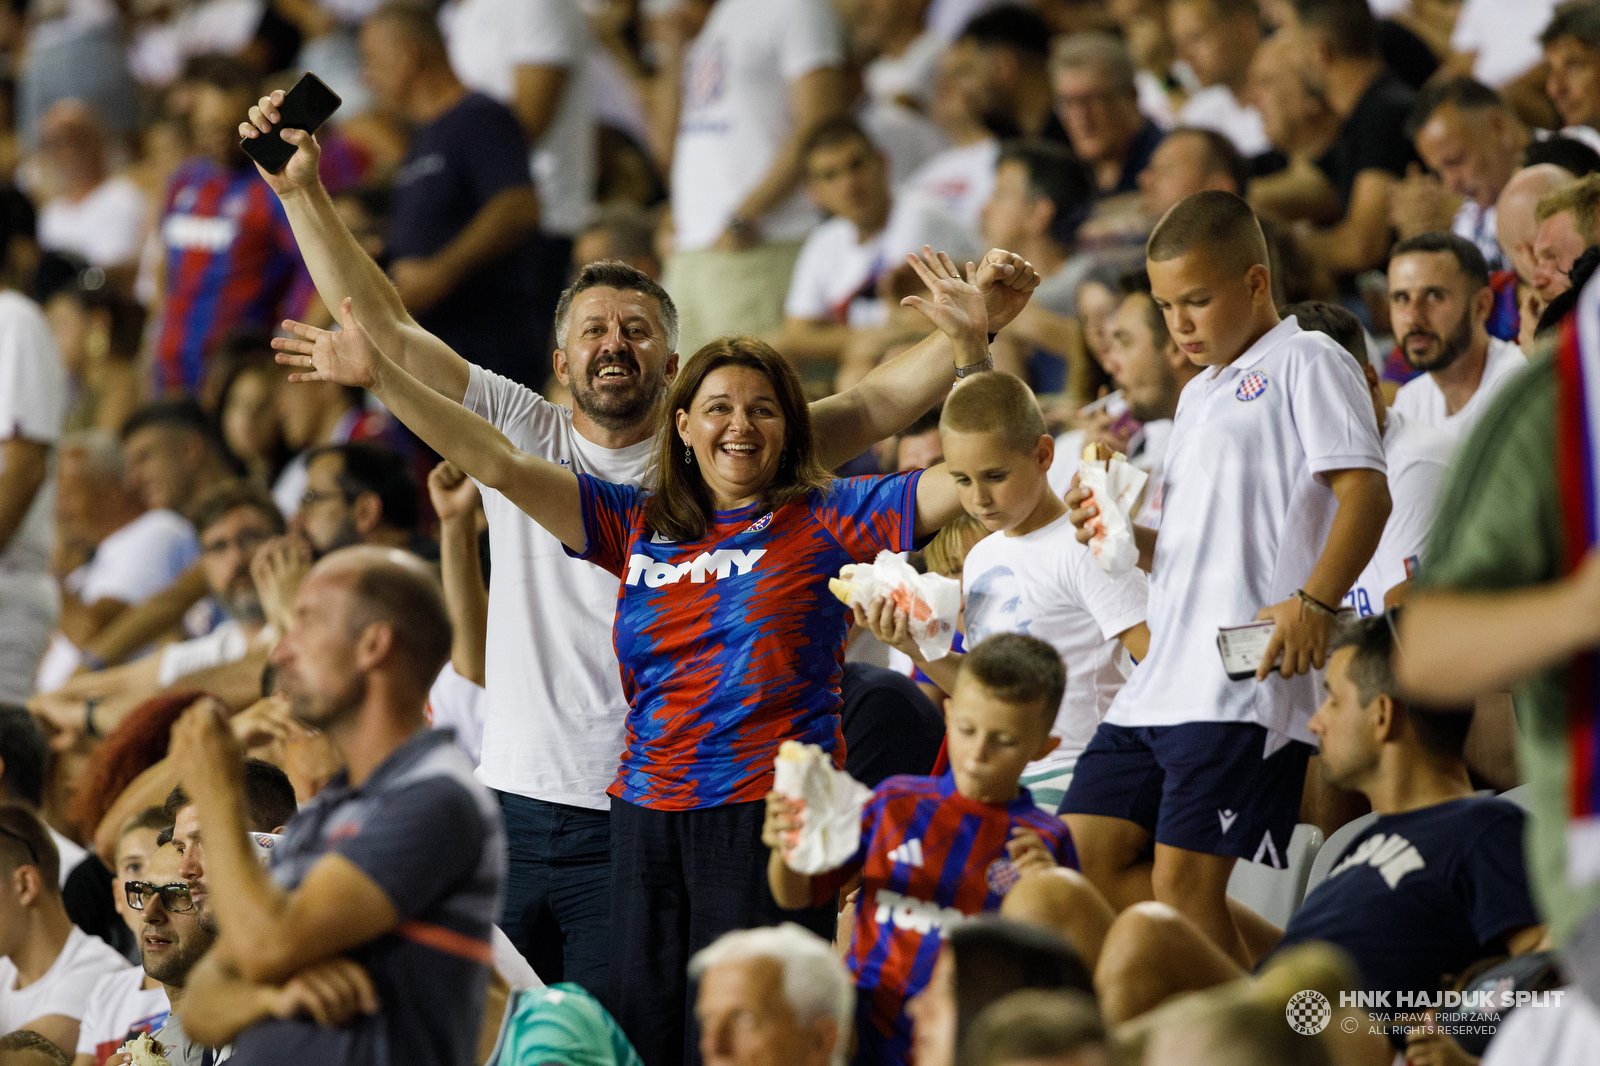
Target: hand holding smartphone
305 107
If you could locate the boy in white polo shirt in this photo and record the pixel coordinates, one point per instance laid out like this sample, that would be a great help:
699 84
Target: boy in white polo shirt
1274 500
1030 575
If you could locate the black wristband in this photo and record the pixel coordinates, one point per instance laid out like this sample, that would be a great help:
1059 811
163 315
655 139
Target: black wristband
1306 597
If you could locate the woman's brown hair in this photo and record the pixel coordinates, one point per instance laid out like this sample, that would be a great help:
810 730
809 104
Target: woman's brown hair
681 506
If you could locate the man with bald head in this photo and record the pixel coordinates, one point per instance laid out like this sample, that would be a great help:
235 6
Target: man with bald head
1515 226
397 863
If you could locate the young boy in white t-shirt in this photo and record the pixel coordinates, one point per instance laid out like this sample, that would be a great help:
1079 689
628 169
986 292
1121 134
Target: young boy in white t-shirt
1030 575
1274 500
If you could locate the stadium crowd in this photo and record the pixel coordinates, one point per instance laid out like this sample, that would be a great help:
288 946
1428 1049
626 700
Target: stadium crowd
415 559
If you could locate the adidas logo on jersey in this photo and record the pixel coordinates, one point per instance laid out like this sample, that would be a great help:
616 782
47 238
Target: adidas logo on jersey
914 915
907 854
721 563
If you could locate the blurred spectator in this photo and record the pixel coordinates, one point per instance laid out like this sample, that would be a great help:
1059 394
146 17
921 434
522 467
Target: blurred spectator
1218 39
49 966
461 235
172 455
1034 1026
26 755
775 994
91 212
1371 152
98 332
532 56
904 53
247 414
33 400
314 414
74 51
1569 222
1472 143
890 725
230 258
1235 1034
1500 40
1295 114
1516 214
918 446
620 232
1571 44
1001 63
1095 95
961 176
1187 161
870 232
757 79
111 553
360 494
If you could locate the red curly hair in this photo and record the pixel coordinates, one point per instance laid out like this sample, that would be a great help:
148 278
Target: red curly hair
137 744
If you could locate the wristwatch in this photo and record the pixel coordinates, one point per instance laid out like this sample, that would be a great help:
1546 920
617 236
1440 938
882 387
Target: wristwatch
975 368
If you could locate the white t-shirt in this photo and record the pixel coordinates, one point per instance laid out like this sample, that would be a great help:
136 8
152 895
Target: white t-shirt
906 138
960 178
69 854
836 274
554 725
1244 520
736 112
1562 1035
33 402
106 227
459 704
227 643
1421 399
1504 35
1417 457
488 41
118 1005
1216 108
131 565
1047 585
65 987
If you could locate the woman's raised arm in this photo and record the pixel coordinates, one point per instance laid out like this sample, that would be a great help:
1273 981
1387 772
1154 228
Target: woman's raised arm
547 493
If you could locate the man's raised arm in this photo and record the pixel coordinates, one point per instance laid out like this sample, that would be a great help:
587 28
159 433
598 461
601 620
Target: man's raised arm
341 268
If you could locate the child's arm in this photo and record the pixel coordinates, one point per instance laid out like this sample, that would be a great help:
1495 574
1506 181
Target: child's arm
892 626
1081 508
1301 631
791 889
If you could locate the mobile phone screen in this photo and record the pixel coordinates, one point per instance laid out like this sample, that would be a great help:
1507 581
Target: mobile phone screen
305 107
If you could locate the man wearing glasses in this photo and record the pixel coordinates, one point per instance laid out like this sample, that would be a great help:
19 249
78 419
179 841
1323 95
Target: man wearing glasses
49 966
233 521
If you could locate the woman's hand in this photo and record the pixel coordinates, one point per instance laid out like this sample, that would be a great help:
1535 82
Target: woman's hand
889 624
346 357
957 306
453 493
278 569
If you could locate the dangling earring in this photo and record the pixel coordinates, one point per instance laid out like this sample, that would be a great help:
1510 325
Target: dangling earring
688 456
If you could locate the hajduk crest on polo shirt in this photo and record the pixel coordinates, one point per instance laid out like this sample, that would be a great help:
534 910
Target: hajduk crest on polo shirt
1251 386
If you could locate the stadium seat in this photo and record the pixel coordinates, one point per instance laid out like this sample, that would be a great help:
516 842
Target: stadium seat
1333 847
1276 894
1522 796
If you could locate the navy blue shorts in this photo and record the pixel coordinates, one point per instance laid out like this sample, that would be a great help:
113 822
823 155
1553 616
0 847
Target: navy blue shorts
1208 787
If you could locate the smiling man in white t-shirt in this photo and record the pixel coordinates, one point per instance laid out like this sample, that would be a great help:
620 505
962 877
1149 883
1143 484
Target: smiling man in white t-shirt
554 730
1439 303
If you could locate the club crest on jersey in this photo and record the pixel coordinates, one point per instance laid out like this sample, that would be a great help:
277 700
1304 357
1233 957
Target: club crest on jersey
1002 875
1253 385
759 524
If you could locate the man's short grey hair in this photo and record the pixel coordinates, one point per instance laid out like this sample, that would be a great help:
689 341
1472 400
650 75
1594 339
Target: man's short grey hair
612 274
815 983
1100 51
102 452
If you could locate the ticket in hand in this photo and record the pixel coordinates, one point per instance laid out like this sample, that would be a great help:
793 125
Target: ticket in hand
1243 646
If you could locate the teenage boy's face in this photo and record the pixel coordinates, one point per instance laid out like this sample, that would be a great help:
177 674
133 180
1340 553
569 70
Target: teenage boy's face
1209 308
991 741
997 485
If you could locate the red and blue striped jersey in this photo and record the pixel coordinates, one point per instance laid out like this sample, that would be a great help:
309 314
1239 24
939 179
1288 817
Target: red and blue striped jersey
231 261
732 644
929 858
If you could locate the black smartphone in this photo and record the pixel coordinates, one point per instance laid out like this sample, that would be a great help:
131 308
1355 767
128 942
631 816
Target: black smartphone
305 107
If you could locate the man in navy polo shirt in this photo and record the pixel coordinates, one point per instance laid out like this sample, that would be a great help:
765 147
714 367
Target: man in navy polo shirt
396 865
